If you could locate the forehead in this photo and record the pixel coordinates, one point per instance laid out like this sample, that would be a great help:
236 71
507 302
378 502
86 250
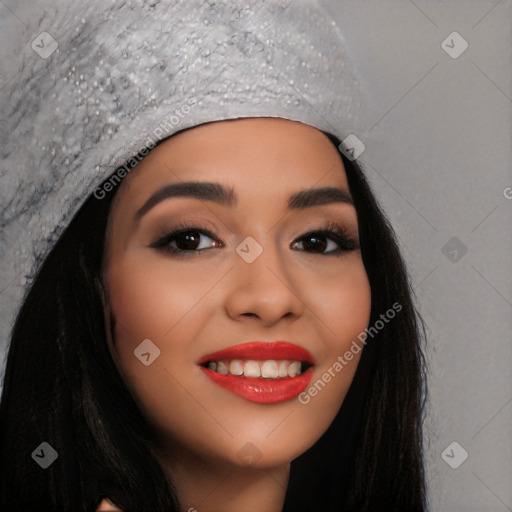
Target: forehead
260 158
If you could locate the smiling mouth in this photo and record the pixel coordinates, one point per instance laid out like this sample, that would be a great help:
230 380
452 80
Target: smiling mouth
261 372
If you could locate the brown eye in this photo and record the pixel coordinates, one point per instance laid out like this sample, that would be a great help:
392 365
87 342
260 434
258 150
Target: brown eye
187 241
331 240
314 243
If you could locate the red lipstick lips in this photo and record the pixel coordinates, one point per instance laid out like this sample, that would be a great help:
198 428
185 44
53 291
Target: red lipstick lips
263 359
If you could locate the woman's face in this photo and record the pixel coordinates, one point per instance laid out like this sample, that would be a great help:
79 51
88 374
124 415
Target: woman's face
252 263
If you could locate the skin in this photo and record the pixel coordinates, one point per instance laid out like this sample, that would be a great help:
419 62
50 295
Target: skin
190 306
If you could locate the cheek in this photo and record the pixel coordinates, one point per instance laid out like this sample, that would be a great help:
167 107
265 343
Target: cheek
145 305
150 303
148 300
344 302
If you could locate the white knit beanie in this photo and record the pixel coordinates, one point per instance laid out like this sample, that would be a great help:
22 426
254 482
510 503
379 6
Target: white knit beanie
100 81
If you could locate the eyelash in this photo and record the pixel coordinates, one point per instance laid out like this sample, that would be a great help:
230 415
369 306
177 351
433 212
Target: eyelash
330 230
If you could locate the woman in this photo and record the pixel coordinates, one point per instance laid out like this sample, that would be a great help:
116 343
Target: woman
227 327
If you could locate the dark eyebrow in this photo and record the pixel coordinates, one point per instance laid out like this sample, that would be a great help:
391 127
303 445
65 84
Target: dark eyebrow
218 193
198 189
319 196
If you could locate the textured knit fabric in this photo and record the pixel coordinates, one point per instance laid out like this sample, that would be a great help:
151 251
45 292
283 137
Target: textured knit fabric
105 80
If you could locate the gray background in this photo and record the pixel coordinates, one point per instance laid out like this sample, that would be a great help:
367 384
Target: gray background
437 132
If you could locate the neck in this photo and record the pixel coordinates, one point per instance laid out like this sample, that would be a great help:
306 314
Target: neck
213 486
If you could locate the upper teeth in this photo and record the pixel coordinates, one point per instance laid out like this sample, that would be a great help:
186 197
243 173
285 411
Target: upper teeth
270 369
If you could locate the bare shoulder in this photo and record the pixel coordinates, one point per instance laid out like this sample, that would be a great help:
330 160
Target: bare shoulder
107 506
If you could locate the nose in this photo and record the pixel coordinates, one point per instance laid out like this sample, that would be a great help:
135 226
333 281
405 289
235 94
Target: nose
263 291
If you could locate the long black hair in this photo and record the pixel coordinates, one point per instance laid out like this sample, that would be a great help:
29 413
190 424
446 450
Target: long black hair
62 387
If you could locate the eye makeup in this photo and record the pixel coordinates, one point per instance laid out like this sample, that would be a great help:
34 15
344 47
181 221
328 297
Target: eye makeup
189 235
